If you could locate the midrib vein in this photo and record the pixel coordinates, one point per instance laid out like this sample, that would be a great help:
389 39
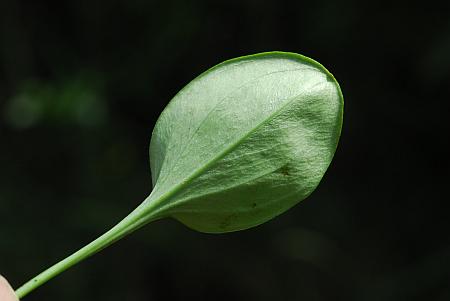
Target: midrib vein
227 150
221 100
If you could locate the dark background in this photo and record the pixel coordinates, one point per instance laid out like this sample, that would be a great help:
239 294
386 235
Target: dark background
83 82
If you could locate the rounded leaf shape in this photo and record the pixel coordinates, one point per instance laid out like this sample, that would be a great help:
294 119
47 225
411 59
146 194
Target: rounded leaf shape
240 144
245 141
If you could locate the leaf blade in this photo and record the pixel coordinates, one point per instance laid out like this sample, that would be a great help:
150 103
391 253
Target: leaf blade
212 134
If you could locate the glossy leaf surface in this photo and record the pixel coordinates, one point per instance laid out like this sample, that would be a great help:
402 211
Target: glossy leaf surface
245 141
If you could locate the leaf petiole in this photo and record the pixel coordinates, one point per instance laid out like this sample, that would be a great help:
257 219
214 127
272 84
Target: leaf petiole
132 222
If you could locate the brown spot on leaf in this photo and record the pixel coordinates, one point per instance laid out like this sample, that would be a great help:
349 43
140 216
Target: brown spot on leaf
227 221
284 170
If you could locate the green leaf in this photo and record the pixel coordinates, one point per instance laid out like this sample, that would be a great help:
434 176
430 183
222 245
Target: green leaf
245 141
240 144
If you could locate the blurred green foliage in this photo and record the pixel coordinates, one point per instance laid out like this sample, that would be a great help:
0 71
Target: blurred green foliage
74 101
81 86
